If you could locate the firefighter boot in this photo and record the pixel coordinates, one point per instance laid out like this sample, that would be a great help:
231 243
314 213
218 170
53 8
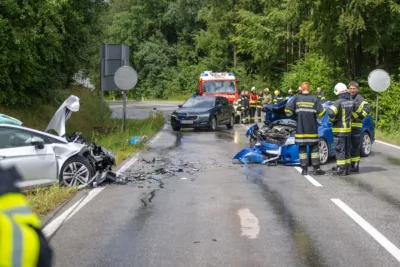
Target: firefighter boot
348 168
355 167
338 171
318 171
304 171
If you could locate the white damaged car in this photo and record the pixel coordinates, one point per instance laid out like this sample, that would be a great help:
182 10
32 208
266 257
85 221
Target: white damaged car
44 158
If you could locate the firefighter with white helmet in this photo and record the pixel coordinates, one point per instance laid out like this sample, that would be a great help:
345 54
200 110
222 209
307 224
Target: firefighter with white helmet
340 113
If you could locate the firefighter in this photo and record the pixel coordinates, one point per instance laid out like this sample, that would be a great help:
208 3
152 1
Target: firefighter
340 113
320 95
306 108
278 96
242 105
21 241
260 105
290 94
362 110
253 104
299 90
246 94
267 97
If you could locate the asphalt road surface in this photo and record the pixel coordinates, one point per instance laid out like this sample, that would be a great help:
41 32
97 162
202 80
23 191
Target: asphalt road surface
199 209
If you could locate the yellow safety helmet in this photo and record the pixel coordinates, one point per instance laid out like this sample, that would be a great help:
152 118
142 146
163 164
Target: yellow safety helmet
253 89
276 93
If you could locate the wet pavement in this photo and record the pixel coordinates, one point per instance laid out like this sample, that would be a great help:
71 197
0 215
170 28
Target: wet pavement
187 205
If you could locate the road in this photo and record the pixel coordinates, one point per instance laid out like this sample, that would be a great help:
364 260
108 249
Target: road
206 211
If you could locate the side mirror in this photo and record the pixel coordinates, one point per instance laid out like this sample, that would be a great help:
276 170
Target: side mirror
180 105
37 142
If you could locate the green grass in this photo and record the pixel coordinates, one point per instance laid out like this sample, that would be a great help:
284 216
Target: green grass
44 200
105 132
392 137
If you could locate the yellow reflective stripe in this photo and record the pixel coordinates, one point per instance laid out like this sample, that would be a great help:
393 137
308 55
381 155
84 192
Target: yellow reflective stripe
306 135
344 118
355 116
334 109
361 107
341 130
288 111
6 241
365 113
303 155
315 155
321 113
356 125
355 159
16 206
348 161
341 162
31 246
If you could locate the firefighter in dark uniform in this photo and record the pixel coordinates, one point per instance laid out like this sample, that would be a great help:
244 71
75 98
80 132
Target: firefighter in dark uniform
260 105
253 104
290 94
320 95
362 110
242 104
306 108
340 113
21 241
278 96
246 94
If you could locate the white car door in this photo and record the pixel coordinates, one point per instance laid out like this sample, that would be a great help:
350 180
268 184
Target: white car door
32 162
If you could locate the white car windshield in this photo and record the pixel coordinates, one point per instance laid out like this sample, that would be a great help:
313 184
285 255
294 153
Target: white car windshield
219 87
199 103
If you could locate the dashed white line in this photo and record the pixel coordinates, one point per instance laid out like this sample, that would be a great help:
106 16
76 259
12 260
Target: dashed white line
381 239
249 223
309 178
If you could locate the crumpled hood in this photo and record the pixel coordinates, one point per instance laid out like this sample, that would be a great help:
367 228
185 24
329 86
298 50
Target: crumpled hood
57 123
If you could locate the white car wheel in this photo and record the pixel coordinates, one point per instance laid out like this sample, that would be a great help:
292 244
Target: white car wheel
323 151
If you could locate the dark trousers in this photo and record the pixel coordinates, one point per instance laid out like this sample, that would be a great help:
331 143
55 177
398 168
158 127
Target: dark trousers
252 113
259 118
342 151
355 145
245 115
315 161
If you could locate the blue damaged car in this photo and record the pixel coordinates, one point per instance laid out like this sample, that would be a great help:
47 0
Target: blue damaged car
275 142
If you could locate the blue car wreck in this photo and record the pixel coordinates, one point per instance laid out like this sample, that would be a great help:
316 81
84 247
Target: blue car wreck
274 143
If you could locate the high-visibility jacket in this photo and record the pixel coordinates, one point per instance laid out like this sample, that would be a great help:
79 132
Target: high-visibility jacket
260 100
362 109
321 96
253 100
277 99
22 243
340 113
306 108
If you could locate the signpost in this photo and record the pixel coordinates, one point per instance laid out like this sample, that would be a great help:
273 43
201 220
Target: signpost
125 79
379 81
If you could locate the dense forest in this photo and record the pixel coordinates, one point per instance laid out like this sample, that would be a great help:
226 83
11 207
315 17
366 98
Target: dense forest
266 43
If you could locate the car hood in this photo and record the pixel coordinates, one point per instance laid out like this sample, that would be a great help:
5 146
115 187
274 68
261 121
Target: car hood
192 110
64 112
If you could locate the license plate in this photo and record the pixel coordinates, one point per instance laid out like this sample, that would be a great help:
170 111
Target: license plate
186 122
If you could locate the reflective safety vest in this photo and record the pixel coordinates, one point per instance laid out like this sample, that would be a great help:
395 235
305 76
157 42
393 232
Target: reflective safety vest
21 242
340 114
253 100
362 109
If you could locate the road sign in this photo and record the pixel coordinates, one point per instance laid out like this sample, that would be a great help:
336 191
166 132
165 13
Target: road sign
379 81
125 78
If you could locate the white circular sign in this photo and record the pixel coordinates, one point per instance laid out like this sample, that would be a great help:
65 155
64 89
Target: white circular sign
125 78
379 80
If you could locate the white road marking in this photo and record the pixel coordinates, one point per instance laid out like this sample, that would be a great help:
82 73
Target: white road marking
249 223
309 178
382 240
387 144
55 224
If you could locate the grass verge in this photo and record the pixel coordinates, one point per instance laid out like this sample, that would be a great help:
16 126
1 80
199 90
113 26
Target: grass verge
44 200
390 137
105 132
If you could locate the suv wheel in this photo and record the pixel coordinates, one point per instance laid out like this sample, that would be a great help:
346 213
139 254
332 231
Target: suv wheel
213 123
231 122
